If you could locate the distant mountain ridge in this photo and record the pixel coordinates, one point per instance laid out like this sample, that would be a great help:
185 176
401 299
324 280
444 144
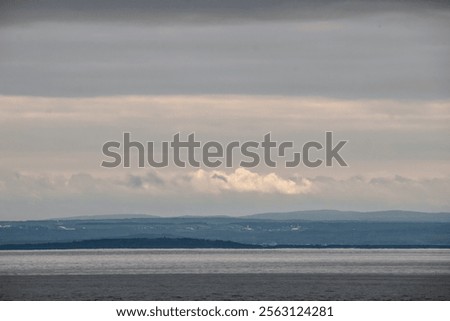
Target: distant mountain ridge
308 215
336 215
108 217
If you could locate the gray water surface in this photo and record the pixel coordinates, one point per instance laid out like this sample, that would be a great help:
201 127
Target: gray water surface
207 261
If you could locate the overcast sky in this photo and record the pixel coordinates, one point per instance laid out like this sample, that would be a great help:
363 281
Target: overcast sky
75 74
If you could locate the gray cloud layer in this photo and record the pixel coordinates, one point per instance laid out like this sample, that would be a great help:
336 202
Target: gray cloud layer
353 49
25 196
201 11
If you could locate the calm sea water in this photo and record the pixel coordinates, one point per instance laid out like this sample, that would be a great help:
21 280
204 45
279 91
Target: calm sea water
225 275
206 261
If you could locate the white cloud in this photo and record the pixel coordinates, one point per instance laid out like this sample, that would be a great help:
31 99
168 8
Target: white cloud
243 180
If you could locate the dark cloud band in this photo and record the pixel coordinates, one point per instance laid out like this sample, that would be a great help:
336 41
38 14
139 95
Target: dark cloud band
199 11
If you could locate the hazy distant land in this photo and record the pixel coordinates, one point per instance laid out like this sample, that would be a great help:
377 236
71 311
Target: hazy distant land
323 229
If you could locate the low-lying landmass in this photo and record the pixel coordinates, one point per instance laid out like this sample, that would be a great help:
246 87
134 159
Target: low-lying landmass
184 243
132 243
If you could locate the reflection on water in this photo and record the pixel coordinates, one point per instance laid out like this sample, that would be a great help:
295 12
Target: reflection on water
224 261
